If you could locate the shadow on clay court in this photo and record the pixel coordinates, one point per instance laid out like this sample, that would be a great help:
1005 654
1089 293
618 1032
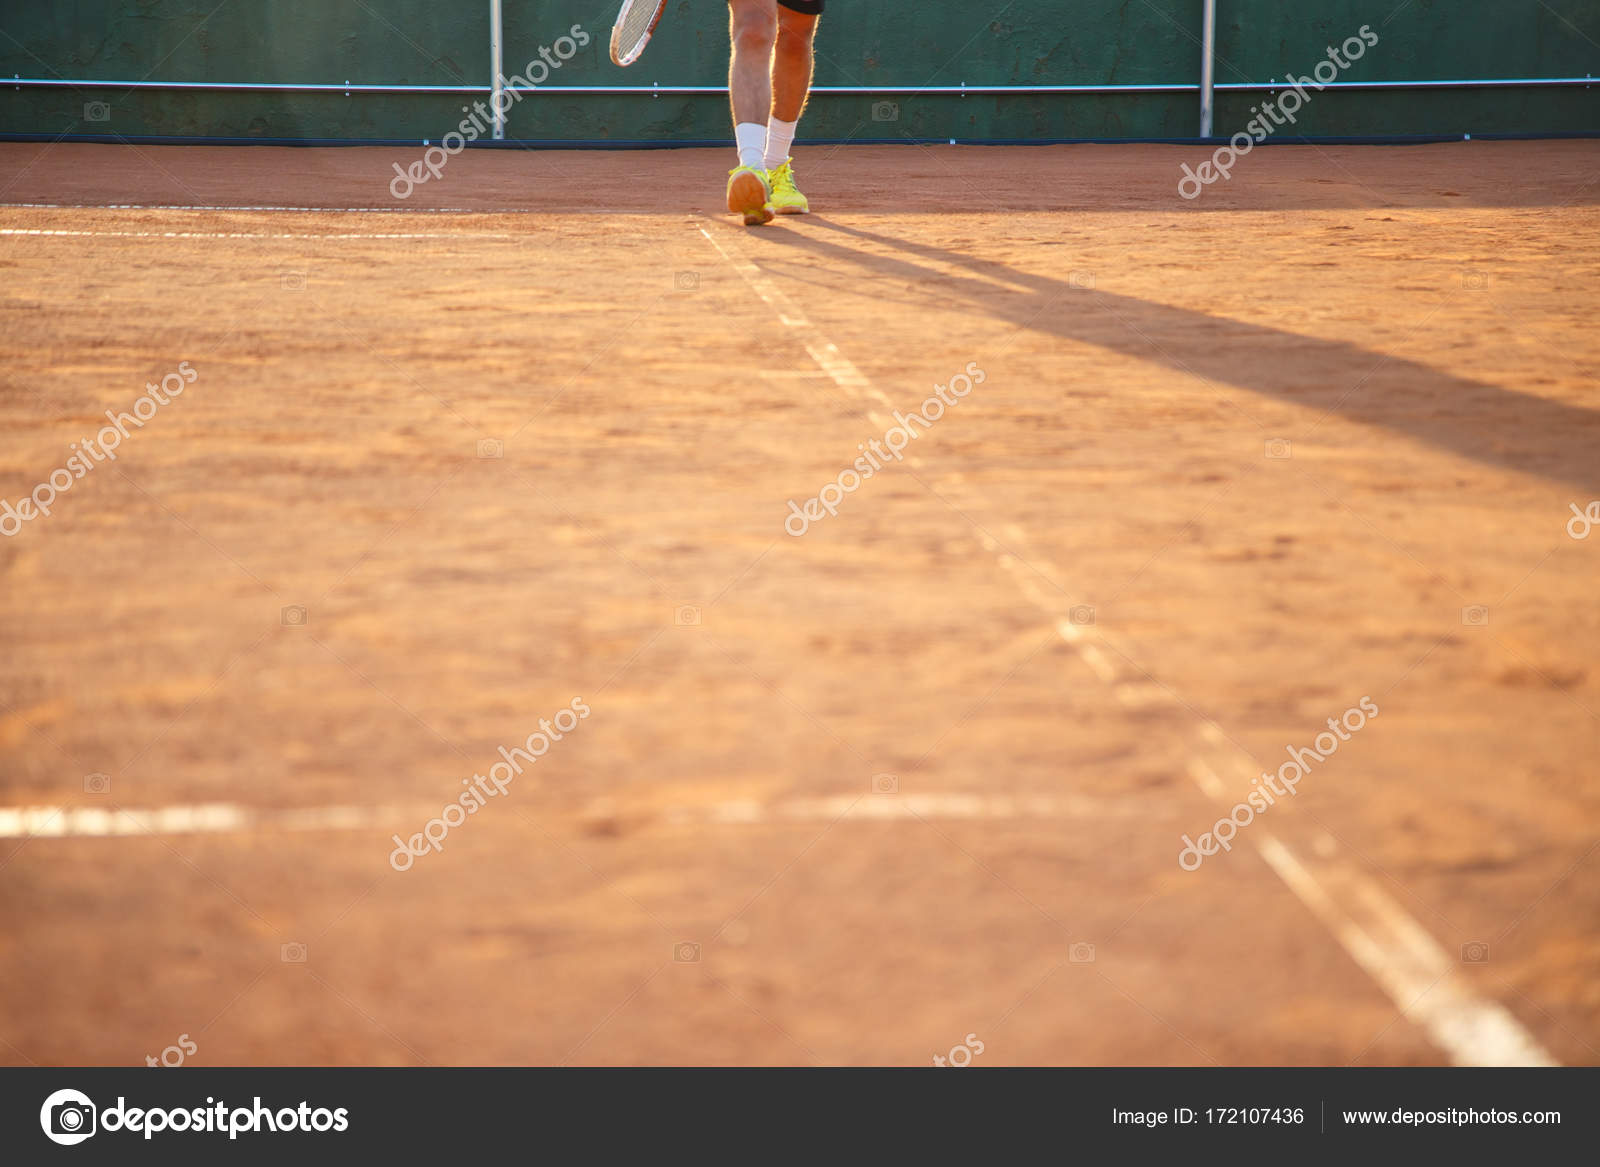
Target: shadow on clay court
1490 424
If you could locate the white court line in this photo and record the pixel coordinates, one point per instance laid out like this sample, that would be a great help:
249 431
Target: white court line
611 212
261 234
822 350
959 807
209 818
1396 951
222 207
229 818
1407 962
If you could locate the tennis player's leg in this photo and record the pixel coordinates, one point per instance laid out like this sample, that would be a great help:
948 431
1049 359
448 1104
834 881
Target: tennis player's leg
792 63
752 29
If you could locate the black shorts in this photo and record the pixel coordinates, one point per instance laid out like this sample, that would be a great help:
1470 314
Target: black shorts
809 7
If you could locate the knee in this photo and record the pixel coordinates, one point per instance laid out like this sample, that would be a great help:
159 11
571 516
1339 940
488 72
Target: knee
793 44
795 32
755 28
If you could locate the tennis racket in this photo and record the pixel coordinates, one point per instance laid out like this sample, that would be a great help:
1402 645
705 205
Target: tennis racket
635 23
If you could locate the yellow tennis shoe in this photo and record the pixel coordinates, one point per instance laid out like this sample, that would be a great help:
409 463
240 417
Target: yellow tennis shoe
786 197
749 193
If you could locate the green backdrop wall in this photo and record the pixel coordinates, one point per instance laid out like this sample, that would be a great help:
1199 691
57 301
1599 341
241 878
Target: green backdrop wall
942 43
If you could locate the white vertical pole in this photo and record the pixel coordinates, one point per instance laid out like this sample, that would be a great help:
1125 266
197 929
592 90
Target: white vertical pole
1208 68
498 83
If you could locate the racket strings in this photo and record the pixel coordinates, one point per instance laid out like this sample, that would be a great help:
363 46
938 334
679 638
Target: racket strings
634 24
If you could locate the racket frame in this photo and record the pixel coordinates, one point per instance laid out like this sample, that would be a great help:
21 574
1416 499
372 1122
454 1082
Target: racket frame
616 30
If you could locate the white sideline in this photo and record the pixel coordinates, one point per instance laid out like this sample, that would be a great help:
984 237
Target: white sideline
209 818
1396 951
397 210
228 818
260 234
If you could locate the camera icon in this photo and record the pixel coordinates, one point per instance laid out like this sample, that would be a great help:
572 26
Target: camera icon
491 448
1082 615
686 616
96 111
686 281
1475 281
1475 616
292 953
886 111
1475 952
294 616
97 783
68 1117
885 784
686 952
1279 448
293 281
1081 280
1081 954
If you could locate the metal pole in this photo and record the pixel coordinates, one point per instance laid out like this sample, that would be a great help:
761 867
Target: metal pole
1489 83
1208 65
497 85
827 90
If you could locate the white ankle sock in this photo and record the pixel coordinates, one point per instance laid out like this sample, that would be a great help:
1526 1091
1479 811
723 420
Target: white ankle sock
780 136
752 141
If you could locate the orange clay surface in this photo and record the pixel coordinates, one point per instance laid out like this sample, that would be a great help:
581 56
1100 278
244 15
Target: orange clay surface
1234 465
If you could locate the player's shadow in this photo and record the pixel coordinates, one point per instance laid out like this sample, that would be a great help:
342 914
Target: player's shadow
1488 423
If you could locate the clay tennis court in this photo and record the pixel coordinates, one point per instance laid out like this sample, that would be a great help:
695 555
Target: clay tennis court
921 773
